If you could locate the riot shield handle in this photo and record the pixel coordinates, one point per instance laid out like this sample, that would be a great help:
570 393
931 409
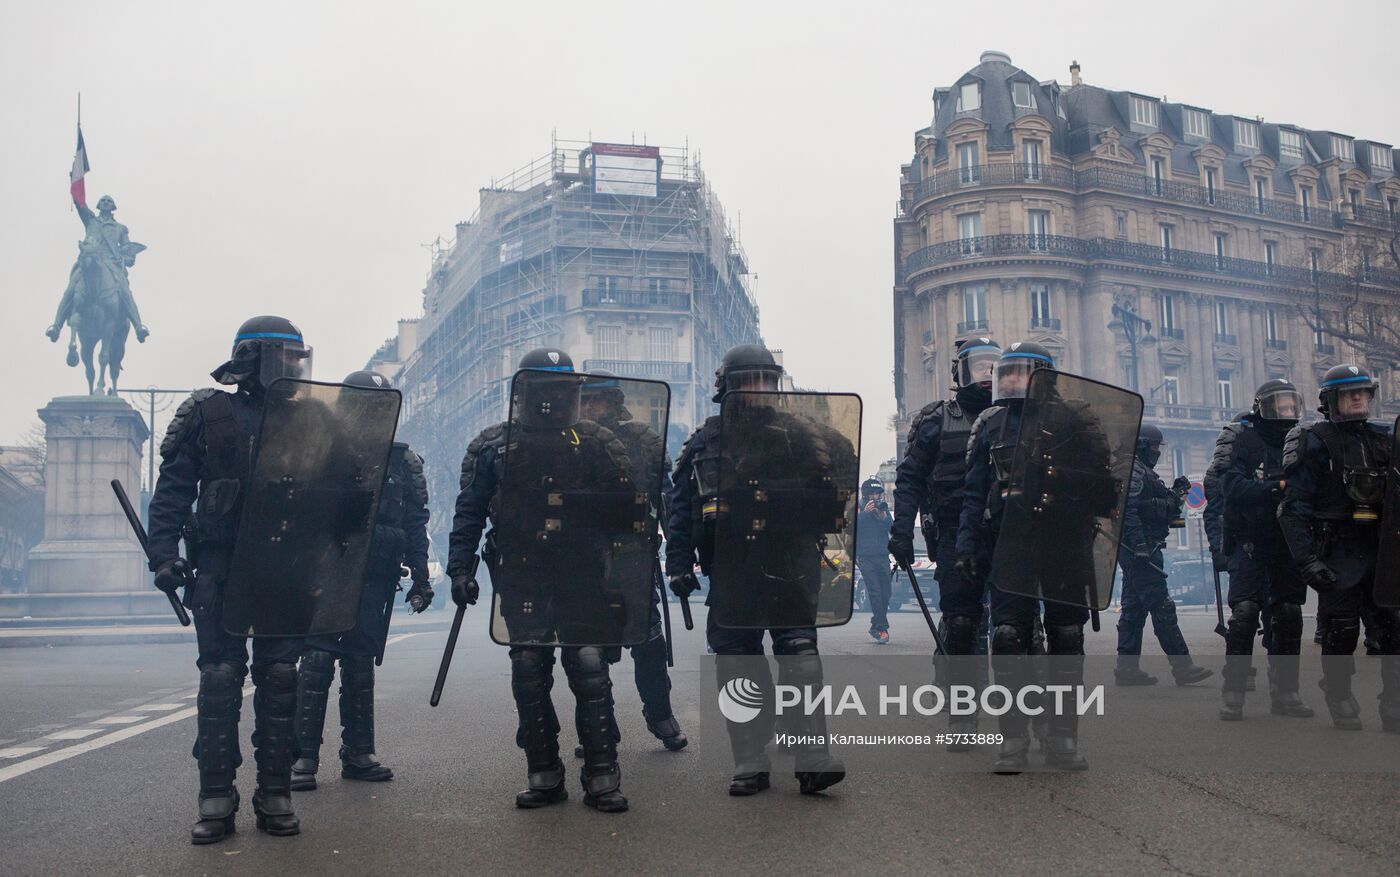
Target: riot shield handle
135 521
451 642
928 616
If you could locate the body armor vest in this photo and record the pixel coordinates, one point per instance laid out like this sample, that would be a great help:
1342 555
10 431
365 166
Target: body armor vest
945 483
1354 482
389 540
223 477
1266 464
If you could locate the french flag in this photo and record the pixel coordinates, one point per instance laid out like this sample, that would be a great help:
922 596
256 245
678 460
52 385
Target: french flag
80 169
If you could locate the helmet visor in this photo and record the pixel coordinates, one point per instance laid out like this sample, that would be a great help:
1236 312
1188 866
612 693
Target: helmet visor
283 358
1355 402
753 379
547 400
975 366
1012 378
1285 403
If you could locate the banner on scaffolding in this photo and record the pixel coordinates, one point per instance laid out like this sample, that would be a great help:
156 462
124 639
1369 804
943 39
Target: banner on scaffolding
626 170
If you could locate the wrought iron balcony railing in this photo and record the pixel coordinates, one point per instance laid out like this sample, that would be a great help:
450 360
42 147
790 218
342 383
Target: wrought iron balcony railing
1051 324
640 299
1226 338
654 369
1275 344
967 326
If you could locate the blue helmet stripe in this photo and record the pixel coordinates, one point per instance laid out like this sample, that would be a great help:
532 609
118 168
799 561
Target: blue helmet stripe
1356 379
549 368
254 335
1028 356
966 350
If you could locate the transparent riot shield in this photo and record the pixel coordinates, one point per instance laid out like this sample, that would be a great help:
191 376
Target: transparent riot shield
1063 504
577 533
1387 578
298 565
780 499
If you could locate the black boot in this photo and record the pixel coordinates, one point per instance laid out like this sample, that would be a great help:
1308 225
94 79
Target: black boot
745 784
1231 705
546 787
1128 672
960 666
1283 662
1066 642
668 731
357 760
274 709
593 717
1338 666
1014 755
531 679
1187 672
216 750
313 691
1239 657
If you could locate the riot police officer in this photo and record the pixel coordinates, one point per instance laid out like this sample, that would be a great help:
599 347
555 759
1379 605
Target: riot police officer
1248 467
691 540
1152 510
206 459
604 403
1335 481
400 541
989 452
929 483
538 423
872 556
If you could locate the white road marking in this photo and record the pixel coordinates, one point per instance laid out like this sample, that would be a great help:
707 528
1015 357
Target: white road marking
157 707
38 761
20 751
73 734
120 720
398 638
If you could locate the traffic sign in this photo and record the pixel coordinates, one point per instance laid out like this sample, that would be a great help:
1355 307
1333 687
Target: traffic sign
1196 496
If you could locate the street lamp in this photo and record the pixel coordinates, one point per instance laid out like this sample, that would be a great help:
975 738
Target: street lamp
1137 331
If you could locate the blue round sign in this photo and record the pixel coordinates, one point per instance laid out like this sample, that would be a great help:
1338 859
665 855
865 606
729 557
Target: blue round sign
1196 496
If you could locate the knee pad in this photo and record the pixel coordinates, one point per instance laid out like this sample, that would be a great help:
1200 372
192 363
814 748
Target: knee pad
221 678
587 671
1009 639
1245 612
279 677
1287 619
317 662
1065 639
531 672
356 672
796 645
961 638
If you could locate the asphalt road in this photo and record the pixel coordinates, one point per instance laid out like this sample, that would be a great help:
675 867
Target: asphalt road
96 778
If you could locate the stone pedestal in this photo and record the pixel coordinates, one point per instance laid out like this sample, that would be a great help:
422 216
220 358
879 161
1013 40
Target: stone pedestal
89 564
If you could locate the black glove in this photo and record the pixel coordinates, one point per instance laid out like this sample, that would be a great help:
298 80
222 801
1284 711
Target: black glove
967 568
172 574
465 590
1181 486
1218 562
420 596
901 548
1318 576
684 585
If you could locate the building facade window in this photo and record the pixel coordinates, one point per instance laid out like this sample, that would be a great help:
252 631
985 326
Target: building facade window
1381 164
969 97
1040 306
1038 225
1168 313
1246 134
1261 194
1290 144
1341 148
1021 95
974 308
968 162
609 341
1144 112
1197 124
1392 206
1320 339
1211 176
1120 222
1222 318
1305 193
1171 390
1159 173
1314 262
970 233
1222 247
1270 254
1271 324
1166 241
1030 158
1354 198
662 343
1226 396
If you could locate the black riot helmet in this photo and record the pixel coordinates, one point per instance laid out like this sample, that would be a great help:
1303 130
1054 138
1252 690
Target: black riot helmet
1149 444
371 379
1012 377
266 348
974 363
546 390
747 367
871 486
1278 400
1347 393
603 399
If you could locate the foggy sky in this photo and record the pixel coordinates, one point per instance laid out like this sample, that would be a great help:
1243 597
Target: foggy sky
291 158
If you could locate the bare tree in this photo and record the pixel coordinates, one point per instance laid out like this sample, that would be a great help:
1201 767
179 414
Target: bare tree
1340 305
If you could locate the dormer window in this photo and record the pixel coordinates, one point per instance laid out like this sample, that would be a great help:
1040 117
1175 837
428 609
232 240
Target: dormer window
1341 148
1021 95
1381 165
969 97
1144 112
1290 144
1197 124
1246 134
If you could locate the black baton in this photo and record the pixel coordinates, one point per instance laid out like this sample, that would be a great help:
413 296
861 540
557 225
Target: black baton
135 521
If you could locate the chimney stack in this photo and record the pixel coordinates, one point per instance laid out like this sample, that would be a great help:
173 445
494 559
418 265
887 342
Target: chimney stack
1074 74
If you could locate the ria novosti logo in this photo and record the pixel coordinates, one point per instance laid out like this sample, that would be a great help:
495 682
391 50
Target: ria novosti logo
740 700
